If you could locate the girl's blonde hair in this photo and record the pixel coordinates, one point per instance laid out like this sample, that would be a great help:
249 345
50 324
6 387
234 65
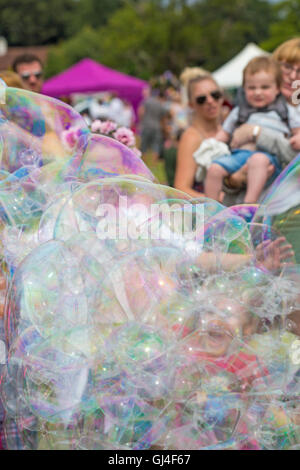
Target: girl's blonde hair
289 52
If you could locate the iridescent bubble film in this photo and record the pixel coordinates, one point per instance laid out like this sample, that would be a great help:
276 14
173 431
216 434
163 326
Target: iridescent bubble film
137 317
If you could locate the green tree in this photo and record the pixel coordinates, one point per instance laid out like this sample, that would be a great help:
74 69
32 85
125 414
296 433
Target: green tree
84 44
150 37
286 24
32 22
146 37
156 35
228 26
92 13
140 39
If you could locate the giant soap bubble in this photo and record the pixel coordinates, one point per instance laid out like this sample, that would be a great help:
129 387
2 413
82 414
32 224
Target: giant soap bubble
136 316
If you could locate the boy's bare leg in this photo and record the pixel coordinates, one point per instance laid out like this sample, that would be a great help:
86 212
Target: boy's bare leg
214 180
258 174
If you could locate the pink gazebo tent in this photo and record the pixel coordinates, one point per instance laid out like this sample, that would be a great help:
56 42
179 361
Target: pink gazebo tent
88 76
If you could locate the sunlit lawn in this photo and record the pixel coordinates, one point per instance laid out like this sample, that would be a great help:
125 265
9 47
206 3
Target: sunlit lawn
157 168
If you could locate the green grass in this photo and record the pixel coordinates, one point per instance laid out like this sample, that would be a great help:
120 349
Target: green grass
157 168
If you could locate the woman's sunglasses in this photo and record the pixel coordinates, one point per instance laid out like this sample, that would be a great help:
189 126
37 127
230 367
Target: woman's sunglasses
216 95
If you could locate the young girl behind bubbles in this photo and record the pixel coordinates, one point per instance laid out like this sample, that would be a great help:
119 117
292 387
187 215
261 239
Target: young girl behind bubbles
230 396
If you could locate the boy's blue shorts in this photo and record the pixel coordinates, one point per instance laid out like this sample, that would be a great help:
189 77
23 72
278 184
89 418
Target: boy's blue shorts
239 157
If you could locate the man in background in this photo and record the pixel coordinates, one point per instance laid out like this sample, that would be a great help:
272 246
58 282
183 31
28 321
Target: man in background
30 69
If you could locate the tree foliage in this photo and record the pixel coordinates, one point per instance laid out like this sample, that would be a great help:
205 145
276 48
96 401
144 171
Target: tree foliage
146 37
32 22
228 26
84 44
286 24
92 13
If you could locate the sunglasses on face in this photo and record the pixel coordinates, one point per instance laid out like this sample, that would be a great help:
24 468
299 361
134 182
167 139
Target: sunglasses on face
216 95
25 76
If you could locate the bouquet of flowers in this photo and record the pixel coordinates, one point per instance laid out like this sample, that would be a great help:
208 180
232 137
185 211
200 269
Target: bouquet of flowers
122 134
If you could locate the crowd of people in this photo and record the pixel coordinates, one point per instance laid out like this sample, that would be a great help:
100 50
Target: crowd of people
262 130
230 158
230 155
107 107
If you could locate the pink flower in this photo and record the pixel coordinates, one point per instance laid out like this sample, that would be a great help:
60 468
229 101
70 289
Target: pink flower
103 127
96 125
125 136
121 134
70 137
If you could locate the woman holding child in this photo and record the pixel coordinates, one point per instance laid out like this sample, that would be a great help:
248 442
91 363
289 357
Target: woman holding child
288 57
274 150
260 104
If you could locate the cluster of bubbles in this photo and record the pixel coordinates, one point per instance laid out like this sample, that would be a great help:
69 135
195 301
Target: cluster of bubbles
137 317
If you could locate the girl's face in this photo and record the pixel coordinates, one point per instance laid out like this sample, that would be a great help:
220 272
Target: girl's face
206 99
222 322
220 331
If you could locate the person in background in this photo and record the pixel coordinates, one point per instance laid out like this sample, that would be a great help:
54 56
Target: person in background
116 108
126 116
30 69
176 111
169 153
205 100
100 109
189 73
288 57
262 105
151 114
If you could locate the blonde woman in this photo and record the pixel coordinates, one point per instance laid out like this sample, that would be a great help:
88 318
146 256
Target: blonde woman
205 100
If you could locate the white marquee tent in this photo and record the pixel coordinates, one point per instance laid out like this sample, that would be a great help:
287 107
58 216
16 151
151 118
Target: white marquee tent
230 74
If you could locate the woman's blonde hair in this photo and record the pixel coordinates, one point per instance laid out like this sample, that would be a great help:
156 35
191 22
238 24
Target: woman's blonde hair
188 74
289 52
191 72
11 79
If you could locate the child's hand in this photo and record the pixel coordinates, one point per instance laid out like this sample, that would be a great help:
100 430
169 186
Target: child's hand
295 141
274 255
242 135
222 136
